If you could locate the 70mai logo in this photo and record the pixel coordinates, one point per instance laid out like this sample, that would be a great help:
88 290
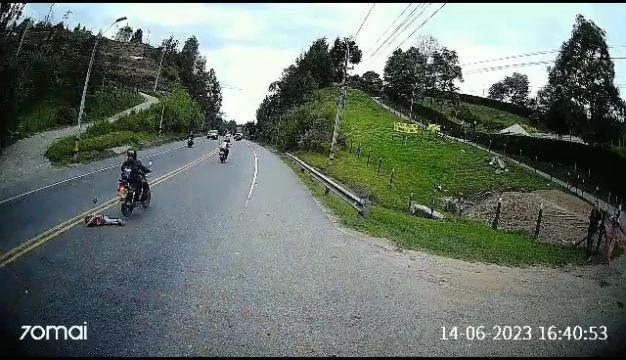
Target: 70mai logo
39 332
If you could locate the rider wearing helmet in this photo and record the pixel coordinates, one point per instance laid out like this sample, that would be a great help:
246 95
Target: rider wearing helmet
137 169
225 145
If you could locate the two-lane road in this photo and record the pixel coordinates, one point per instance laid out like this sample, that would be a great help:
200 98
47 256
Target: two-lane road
219 266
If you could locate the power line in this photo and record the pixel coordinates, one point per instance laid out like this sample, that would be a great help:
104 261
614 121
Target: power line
410 15
407 25
364 20
389 27
414 31
527 55
509 66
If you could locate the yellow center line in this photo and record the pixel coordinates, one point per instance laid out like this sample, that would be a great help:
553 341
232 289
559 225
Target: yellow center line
49 234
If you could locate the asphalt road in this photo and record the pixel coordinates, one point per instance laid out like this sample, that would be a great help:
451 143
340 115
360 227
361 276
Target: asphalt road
215 268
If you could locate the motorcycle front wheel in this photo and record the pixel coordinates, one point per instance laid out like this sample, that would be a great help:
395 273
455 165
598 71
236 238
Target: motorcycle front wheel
146 202
127 208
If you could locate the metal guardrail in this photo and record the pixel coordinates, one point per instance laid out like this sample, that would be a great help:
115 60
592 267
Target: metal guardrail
361 205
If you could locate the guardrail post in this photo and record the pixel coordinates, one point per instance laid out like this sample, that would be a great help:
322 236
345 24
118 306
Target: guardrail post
369 154
494 225
391 177
326 190
539 221
582 189
380 161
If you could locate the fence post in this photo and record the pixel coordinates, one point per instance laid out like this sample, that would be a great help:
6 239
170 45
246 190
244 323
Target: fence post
494 225
597 194
391 177
410 201
489 149
608 202
369 153
350 147
358 152
582 189
380 160
539 221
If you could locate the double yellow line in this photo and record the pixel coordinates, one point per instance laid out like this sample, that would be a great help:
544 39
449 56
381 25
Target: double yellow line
38 240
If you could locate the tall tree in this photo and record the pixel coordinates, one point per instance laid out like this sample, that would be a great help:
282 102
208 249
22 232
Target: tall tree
9 14
585 74
137 37
338 55
371 83
513 89
124 34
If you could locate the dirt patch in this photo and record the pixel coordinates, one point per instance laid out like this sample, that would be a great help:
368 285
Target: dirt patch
564 221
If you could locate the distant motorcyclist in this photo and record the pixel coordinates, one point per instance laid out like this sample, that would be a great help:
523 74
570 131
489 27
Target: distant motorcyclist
225 145
137 170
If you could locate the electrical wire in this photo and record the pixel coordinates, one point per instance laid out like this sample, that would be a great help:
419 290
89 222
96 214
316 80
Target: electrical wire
389 27
409 16
364 20
405 27
414 31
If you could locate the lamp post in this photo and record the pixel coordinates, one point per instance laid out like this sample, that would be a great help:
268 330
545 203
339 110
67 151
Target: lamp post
82 101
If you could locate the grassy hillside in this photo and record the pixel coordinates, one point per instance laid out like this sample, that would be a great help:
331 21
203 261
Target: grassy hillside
425 161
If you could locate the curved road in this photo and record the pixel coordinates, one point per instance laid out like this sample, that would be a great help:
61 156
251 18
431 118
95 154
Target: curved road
219 267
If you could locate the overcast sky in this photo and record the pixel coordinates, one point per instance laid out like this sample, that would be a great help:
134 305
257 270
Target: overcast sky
249 45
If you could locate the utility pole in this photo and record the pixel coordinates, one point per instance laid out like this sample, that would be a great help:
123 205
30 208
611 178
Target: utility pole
22 39
159 70
341 99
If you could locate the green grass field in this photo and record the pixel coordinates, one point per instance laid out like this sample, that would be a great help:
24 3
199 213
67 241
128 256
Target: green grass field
426 161
488 119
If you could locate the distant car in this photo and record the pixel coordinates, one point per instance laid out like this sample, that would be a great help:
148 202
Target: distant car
212 135
238 136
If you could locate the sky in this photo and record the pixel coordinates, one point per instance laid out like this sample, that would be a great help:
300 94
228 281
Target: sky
249 45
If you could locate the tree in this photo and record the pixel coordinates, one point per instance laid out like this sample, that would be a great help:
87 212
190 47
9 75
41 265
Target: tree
231 125
585 74
338 56
9 14
137 37
371 83
124 34
213 102
428 70
513 89
442 74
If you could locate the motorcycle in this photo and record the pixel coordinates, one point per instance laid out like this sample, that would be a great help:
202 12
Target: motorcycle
129 195
222 156
190 142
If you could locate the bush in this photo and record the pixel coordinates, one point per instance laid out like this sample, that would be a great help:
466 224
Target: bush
66 116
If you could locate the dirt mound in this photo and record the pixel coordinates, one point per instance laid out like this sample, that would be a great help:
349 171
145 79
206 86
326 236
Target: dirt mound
565 217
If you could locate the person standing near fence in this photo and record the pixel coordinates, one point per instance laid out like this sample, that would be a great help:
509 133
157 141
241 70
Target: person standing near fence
613 228
592 231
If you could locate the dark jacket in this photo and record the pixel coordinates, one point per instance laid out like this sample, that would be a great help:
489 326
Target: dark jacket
136 168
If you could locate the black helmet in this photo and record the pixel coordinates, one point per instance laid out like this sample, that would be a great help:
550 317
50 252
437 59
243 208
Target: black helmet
132 154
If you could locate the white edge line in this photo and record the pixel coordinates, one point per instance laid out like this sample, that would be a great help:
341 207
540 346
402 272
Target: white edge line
82 175
254 176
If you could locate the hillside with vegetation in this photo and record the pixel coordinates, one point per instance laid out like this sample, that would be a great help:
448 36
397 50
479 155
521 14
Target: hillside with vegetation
43 68
298 116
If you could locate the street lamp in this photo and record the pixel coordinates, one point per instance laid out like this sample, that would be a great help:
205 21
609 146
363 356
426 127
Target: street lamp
82 101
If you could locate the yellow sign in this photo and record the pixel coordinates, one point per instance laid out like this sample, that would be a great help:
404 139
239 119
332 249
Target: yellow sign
406 128
434 128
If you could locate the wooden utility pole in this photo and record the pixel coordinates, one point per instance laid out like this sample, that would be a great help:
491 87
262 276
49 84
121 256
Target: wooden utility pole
341 99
